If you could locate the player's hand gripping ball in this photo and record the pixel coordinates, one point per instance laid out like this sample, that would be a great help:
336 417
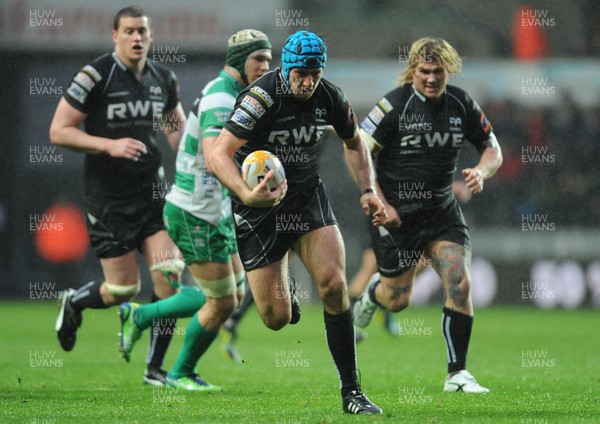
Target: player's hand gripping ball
257 164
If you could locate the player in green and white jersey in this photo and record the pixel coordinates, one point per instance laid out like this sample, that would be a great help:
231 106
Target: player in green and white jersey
198 218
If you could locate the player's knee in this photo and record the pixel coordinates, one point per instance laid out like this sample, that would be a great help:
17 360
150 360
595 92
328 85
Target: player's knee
222 308
460 290
276 318
220 296
276 322
333 289
464 285
397 305
398 301
122 293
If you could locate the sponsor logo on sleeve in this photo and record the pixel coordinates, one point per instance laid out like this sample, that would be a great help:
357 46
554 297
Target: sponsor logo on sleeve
485 124
351 115
260 92
243 119
253 106
85 81
385 104
91 71
376 115
368 126
77 93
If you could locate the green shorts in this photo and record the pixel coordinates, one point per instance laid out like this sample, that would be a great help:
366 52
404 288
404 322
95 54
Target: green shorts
198 240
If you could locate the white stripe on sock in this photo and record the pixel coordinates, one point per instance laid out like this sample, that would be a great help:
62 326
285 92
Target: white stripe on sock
448 338
83 291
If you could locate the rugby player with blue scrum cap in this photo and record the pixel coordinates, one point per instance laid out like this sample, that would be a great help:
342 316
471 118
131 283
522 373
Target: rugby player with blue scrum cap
292 106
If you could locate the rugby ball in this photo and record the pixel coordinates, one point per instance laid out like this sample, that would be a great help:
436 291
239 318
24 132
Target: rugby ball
257 164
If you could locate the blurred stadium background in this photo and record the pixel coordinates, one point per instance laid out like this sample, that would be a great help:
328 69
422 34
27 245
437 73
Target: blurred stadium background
532 66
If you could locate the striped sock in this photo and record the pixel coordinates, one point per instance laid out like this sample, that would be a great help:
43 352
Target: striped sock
88 296
456 329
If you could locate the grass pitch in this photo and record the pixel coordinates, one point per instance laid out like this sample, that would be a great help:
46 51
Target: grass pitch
541 367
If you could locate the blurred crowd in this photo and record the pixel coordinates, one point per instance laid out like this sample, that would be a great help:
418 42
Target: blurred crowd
549 168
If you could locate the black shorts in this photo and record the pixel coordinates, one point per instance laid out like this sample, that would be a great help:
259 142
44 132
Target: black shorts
264 235
399 249
118 227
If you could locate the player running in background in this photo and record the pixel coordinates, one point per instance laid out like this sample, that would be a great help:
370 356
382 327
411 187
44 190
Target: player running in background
287 108
368 271
416 131
120 98
198 218
368 267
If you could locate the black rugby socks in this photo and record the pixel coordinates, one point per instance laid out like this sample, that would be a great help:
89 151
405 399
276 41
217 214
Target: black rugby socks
339 331
88 296
160 338
456 329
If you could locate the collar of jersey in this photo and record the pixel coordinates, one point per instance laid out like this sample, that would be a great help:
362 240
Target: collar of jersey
122 65
118 61
422 97
233 81
418 94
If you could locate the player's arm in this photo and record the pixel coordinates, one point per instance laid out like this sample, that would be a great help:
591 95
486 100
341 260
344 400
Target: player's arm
210 128
207 148
358 158
221 163
461 191
393 220
374 147
489 163
65 131
176 125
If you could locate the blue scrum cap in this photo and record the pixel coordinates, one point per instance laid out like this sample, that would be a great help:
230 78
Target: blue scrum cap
303 49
